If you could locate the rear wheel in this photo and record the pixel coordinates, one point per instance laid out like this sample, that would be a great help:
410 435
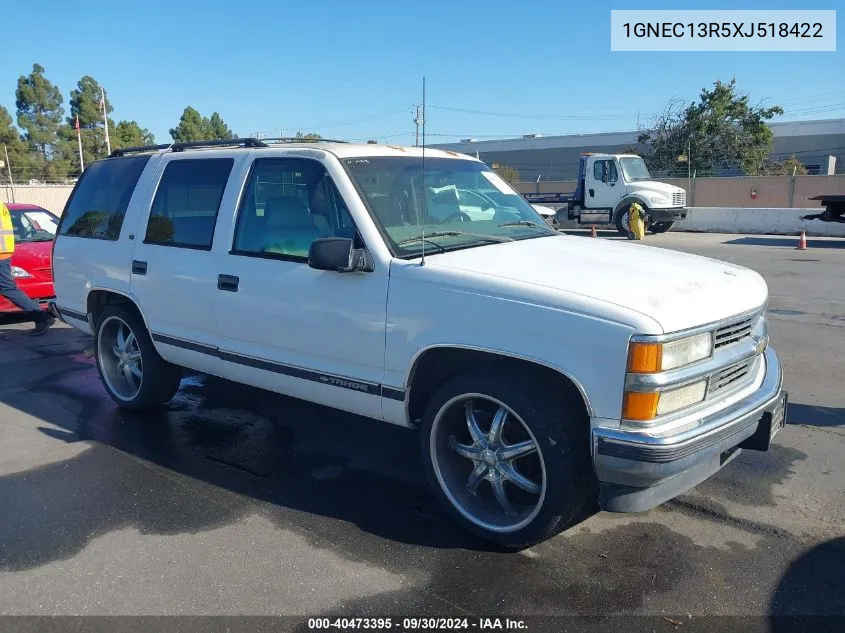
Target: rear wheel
131 370
508 461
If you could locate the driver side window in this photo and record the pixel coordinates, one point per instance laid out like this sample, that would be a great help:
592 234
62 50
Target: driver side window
288 203
605 171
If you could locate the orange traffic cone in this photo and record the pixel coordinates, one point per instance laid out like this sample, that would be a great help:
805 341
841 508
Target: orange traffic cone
802 241
593 231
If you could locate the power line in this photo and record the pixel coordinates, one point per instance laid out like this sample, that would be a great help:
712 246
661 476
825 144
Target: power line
550 117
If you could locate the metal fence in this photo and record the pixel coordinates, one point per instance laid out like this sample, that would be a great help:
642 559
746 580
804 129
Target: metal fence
50 197
742 192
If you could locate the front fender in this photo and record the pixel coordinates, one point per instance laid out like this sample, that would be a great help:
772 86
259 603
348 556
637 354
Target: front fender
627 201
582 339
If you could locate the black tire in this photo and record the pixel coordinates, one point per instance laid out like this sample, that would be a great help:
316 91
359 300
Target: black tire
159 379
622 213
661 227
560 431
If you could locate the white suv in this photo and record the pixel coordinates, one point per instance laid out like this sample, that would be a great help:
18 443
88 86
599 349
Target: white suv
353 276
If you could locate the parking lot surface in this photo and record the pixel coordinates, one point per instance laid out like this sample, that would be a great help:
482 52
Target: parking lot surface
236 501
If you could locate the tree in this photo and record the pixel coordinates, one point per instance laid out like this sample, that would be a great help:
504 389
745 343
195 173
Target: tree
217 129
194 127
85 103
18 158
39 113
507 173
785 167
130 134
191 127
723 130
310 136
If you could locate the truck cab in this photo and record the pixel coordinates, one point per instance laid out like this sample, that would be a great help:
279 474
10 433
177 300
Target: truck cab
608 184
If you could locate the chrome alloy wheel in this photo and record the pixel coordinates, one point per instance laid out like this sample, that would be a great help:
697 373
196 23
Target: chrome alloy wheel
120 358
488 463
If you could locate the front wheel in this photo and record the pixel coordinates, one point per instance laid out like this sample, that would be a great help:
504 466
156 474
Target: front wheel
130 368
622 222
509 462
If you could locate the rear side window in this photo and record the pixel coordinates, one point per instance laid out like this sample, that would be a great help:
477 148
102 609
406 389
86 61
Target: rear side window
185 207
98 204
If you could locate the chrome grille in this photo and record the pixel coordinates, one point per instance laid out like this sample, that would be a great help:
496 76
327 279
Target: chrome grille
733 332
679 199
730 377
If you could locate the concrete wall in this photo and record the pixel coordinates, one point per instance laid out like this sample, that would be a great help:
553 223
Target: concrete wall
50 197
772 191
756 221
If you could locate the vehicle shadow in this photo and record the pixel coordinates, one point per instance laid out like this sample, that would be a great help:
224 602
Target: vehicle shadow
815 416
810 590
788 242
297 458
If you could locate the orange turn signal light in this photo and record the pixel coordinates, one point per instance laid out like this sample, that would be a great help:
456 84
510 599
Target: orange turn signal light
645 358
641 407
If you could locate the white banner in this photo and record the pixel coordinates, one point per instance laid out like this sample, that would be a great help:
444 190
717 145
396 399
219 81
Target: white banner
723 30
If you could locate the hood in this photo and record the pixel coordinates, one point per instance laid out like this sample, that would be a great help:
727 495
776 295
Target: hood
33 256
654 187
544 211
677 290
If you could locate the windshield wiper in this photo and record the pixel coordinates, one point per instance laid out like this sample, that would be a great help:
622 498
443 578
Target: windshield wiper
524 223
486 238
420 238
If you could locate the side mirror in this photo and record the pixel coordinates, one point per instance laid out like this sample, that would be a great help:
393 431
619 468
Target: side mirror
338 254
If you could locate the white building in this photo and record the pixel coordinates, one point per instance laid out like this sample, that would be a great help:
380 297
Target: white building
556 157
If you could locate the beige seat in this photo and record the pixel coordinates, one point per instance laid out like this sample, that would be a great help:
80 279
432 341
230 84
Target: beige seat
288 227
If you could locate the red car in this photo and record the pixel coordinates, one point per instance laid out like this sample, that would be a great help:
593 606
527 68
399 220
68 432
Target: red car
34 229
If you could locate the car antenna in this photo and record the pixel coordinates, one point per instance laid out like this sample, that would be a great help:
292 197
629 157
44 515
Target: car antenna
424 210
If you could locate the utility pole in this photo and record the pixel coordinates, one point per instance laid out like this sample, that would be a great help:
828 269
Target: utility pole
418 120
9 167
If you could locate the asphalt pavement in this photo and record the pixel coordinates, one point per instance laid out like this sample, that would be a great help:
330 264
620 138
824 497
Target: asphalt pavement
234 501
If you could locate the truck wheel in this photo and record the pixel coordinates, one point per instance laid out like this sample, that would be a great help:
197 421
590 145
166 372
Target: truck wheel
661 227
130 368
506 459
621 220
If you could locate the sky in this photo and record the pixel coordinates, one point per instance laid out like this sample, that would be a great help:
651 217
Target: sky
353 70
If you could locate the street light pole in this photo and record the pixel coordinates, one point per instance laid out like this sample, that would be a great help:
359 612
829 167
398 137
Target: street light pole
689 165
105 119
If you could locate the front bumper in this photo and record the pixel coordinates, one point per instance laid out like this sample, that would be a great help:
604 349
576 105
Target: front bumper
675 214
638 471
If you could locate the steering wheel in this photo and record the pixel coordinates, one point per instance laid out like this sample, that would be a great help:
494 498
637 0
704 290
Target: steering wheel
457 216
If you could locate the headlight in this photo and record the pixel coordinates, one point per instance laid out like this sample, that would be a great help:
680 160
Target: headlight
681 397
658 200
649 358
19 272
645 406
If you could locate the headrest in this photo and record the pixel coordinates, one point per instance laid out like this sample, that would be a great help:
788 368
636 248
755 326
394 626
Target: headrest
286 212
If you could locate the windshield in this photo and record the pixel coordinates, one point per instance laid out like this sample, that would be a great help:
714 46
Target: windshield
33 225
634 169
456 204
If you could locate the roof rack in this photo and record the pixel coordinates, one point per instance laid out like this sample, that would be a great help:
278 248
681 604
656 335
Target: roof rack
235 142
123 151
302 139
180 147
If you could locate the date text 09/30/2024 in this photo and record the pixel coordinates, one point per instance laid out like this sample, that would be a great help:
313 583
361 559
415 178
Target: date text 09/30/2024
401 625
